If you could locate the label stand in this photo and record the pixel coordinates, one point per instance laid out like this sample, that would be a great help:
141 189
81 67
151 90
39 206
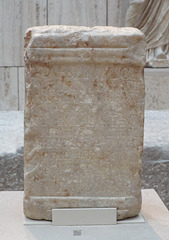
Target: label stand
84 216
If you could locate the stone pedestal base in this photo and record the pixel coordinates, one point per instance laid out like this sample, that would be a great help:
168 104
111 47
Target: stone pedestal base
41 207
84 119
156 88
160 63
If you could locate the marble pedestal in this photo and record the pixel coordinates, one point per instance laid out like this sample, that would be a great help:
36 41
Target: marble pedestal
84 117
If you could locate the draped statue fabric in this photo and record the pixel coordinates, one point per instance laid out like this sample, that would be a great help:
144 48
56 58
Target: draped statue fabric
152 18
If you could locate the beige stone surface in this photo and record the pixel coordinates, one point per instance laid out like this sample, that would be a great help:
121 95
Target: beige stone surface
83 119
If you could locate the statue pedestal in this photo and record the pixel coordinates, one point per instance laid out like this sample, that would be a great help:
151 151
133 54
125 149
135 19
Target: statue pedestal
160 63
155 227
156 88
84 119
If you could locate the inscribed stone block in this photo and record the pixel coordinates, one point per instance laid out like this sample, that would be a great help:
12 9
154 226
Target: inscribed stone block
83 119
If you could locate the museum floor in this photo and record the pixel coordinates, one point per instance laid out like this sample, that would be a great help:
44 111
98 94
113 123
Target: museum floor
155 172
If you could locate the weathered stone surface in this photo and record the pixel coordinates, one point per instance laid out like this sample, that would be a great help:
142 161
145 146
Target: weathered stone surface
83 119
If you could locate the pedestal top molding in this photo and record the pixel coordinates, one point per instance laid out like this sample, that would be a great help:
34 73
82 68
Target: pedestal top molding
115 44
82 37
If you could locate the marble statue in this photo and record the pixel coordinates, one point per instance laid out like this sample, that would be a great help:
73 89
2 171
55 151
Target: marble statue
84 119
152 18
